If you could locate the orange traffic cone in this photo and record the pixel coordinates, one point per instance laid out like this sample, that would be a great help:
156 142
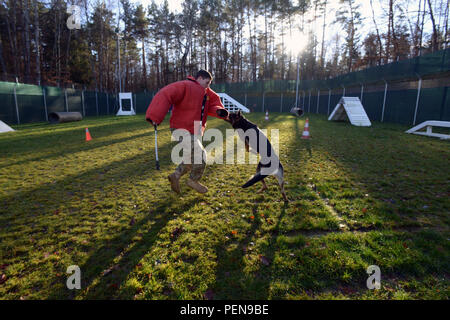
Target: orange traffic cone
267 115
88 135
305 134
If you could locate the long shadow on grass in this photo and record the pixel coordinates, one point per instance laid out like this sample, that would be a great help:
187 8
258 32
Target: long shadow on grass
34 207
76 147
232 282
100 275
61 131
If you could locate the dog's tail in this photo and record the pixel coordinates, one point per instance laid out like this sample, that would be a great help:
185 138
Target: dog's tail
256 178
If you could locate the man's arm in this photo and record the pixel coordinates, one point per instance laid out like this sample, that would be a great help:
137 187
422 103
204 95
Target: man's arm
161 102
215 106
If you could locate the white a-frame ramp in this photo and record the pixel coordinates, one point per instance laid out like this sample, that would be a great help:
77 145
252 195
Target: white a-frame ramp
231 104
4 127
350 108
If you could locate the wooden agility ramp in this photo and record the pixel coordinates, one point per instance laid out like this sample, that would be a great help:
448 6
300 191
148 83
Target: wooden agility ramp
429 129
351 109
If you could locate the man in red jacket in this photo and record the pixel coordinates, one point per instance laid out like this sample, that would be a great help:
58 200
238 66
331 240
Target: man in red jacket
192 100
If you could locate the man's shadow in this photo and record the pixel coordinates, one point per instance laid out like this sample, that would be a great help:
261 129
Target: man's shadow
100 275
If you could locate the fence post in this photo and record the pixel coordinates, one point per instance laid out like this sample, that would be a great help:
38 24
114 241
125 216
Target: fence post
17 106
263 102
329 100
343 93
245 103
304 95
318 99
384 100
309 102
281 103
45 104
107 103
82 103
417 101
65 96
362 91
96 101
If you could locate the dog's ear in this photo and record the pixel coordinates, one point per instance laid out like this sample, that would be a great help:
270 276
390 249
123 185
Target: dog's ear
239 113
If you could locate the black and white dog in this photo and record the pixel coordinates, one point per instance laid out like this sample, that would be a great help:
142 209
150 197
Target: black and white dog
269 163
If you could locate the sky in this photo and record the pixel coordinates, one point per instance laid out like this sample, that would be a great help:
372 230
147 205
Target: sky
333 29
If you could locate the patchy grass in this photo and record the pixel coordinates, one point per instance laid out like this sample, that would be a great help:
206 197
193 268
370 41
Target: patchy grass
359 197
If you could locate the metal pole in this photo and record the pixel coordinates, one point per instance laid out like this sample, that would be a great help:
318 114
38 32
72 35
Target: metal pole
45 104
156 147
263 102
67 104
298 76
362 91
418 98
343 94
118 50
17 105
281 103
329 100
96 102
245 103
309 102
82 103
384 100
304 95
107 103
318 99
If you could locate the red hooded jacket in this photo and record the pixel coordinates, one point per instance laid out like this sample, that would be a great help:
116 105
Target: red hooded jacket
186 97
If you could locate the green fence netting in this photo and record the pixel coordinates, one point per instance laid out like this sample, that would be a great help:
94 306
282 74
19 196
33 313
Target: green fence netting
389 93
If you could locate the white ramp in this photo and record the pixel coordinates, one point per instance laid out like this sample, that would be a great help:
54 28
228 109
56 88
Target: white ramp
231 104
350 108
430 124
126 109
4 127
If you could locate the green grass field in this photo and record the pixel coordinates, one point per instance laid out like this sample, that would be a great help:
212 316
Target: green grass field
359 197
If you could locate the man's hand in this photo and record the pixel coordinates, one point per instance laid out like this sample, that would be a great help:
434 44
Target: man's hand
151 121
223 113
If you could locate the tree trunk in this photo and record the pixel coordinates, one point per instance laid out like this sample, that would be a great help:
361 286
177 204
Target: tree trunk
388 40
435 41
322 52
144 67
394 34
380 45
91 58
14 38
26 22
37 42
446 19
2 62
421 29
66 69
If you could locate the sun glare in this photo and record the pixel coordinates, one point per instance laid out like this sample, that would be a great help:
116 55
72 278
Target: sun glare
296 42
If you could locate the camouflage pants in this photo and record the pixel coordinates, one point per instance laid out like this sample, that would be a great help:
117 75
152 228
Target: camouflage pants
196 169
